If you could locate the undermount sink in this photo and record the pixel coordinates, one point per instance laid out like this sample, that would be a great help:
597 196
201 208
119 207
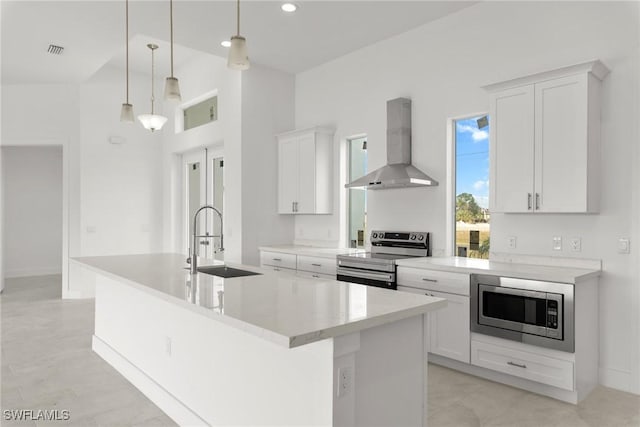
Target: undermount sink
226 272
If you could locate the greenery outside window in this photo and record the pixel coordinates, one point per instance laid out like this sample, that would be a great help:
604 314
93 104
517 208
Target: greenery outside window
472 216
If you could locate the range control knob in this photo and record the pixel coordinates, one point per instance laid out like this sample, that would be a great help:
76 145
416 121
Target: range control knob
413 237
421 237
381 235
374 235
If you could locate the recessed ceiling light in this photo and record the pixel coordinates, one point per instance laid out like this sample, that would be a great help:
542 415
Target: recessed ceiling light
225 43
289 7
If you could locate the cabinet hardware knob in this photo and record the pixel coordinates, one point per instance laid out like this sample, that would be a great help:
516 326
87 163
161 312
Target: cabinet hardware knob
529 201
537 200
517 365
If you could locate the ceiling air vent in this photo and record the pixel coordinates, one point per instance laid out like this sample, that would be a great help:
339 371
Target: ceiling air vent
55 50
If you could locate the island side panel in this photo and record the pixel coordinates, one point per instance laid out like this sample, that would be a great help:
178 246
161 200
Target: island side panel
391 375
222 374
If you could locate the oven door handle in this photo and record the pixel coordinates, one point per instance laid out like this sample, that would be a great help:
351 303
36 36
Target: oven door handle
382 277
513 291
356 264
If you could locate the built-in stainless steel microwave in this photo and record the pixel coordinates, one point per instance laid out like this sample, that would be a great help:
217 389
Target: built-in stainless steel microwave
530 311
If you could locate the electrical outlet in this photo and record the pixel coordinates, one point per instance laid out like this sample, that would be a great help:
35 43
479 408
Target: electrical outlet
345 380
167 345
557 243
576 244
512 242
624 246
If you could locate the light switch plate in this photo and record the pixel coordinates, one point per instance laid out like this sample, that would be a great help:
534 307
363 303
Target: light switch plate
557 243
624 246
512 242
576 244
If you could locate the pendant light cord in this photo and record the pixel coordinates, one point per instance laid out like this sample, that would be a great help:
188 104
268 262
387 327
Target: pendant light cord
127 45
152 79
171 25
238 17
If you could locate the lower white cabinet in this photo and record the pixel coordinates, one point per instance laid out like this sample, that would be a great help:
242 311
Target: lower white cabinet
514 359
301 265
449 326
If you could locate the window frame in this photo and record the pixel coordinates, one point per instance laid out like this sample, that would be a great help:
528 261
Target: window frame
180 109
450 247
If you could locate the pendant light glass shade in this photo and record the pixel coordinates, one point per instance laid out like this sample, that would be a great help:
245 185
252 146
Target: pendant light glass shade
171 87
126 113
172 90
238 58
152 122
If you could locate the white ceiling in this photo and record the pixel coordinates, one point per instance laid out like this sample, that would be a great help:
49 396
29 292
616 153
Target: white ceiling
93 33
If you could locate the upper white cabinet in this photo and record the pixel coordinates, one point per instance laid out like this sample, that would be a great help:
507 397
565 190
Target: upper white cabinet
545 141
305 171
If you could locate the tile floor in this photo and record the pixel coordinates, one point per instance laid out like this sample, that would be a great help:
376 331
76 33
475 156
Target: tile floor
47 363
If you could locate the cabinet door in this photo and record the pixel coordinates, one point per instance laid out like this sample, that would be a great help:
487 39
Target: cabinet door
512 152
561 145
287 175
449 328
306 200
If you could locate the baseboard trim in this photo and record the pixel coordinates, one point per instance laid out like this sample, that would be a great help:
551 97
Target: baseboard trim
168 403
617 378
16 274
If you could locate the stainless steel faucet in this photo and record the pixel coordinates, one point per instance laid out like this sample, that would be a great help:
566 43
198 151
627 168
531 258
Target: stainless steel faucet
193 256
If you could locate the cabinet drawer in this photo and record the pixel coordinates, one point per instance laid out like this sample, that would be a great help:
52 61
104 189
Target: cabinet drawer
280 270
531 366
439 281
278 259
312 275
317 264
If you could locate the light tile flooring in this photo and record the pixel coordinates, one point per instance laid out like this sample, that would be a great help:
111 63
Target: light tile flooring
47 363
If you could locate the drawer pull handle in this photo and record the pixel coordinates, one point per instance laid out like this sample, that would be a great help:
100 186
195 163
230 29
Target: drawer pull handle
317 265
517 365
276 269
277 259
315 275
429 280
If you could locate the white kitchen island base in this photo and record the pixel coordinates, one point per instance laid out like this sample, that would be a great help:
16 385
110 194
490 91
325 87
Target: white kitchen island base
201 371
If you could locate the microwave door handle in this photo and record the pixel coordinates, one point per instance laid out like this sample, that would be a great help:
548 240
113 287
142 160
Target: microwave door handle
519 292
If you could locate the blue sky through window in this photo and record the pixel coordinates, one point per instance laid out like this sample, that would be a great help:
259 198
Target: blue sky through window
472 160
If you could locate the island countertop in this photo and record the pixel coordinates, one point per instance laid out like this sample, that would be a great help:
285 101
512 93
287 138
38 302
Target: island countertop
285 309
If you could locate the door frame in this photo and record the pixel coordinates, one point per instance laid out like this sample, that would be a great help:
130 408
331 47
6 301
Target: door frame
47 142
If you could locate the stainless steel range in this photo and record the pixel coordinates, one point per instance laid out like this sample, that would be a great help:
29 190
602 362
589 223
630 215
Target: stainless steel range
378 267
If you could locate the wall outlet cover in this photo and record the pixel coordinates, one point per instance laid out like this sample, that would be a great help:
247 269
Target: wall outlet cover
345 380
576 244
557 243
512 242
624 246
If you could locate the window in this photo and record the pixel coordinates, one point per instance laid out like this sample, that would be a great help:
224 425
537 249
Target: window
357 215
201 113
471 143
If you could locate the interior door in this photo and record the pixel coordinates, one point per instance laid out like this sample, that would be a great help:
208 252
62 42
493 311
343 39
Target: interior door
215 198
194 167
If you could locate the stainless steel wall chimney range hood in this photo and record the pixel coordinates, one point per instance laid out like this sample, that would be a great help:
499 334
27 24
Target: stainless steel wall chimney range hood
398 172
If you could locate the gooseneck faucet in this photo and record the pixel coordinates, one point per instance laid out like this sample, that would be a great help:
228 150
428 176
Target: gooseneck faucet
193 256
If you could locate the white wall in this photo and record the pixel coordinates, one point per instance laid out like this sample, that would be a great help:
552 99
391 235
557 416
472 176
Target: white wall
441 66
32 179
115 192
253 106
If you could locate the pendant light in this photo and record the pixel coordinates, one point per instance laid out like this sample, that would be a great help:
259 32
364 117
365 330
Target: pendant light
152 121
126 113
172 87
238 59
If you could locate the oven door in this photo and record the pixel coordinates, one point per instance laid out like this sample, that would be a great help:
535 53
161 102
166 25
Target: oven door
521 310
378 279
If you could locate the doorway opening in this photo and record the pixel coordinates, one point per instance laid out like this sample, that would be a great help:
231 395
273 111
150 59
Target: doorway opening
204 185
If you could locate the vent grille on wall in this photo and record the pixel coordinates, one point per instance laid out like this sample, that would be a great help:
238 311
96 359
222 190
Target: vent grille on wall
55 50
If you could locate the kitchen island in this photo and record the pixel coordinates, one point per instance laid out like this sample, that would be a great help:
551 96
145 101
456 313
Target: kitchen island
267 349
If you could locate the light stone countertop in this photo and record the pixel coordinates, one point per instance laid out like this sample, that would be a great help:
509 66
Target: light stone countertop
508 269
287 310
316 251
